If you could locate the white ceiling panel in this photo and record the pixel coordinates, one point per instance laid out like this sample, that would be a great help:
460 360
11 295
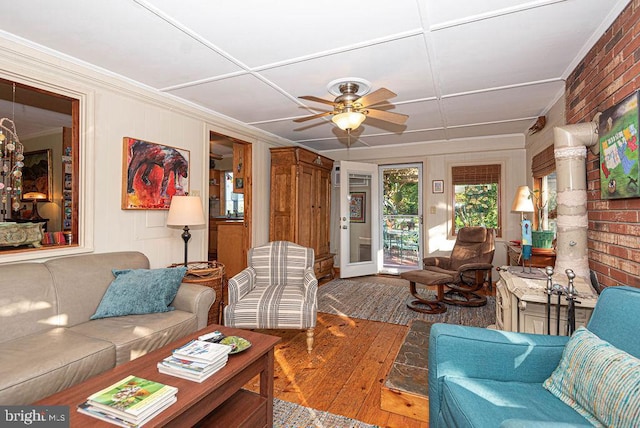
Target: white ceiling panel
244 97
501 128
400 65
422 114
499 105
413 137
484 54
459 68
259 32
441 12
117 35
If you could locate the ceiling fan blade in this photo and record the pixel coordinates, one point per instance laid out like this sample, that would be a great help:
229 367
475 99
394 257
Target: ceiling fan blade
313 116
387 116
375 97
316 99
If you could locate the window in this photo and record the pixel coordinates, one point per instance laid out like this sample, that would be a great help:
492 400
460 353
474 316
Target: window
46 122
543 169
547 211
476 196
233 202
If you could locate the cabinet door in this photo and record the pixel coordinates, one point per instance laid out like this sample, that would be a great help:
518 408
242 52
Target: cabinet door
282 226
307 206
324 212
231 253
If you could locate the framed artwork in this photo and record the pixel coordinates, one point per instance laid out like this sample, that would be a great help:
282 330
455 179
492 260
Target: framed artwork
36 173
357 207
151 174
437 186
618 134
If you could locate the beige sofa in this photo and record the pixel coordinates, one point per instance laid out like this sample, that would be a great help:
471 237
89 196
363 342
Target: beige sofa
48 343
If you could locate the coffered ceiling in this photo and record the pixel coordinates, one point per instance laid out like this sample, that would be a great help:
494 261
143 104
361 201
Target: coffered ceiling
460 68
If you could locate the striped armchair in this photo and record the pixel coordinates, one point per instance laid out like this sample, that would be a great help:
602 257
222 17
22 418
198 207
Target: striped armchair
278 290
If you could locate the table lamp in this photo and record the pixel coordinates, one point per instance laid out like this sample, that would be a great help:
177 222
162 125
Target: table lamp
523 203
34 197
185 211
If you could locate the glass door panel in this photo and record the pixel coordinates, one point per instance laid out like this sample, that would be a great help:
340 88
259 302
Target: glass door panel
401 217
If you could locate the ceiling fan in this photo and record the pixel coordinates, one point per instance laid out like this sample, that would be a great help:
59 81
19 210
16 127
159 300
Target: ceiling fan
350 108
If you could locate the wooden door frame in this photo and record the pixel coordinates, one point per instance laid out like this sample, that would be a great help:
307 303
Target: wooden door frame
248 191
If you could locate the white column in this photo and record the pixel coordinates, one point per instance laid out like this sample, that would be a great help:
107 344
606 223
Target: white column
570 150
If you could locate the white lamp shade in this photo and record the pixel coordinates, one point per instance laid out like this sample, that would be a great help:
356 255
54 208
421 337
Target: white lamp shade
523 202
185 211
348 120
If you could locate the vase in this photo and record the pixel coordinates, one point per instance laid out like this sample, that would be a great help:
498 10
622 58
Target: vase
542 238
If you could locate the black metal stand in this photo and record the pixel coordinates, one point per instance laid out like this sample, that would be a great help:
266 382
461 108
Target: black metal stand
570 292
571 298
185 237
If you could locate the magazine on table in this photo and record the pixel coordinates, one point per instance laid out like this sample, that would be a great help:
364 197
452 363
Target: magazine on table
186 374
202 351
191 366
133 398
104 415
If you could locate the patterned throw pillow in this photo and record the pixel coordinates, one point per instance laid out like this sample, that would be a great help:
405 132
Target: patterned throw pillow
598 380
140 291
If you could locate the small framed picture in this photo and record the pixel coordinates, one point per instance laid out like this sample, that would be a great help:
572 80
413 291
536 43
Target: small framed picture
437 186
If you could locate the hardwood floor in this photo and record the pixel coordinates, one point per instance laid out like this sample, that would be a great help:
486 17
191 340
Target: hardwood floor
345 371
347 368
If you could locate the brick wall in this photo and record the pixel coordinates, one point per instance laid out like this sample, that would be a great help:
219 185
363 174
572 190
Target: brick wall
607 75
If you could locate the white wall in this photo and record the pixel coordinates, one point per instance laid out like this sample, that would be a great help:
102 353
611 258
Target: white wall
113 108
437 159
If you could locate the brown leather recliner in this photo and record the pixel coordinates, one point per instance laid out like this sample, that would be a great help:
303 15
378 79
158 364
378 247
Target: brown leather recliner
469 266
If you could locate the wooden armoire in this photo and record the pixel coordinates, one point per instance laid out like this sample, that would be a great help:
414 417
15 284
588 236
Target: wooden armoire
301 202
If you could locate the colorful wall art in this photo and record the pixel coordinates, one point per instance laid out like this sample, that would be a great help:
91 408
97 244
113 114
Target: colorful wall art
152 174
618 131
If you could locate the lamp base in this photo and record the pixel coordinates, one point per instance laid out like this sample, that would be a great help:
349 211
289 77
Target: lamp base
186 235
35 215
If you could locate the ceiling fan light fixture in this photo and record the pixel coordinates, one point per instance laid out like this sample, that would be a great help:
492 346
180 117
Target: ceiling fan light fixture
349 120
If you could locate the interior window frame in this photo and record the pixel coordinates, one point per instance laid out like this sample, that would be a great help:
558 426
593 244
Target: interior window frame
83 148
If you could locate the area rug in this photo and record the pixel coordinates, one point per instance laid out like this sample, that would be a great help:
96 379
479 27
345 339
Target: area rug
291 415
387 302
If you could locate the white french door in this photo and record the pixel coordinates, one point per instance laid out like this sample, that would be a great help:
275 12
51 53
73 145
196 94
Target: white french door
359 219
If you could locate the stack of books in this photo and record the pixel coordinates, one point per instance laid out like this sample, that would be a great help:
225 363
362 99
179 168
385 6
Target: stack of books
197 360
131 402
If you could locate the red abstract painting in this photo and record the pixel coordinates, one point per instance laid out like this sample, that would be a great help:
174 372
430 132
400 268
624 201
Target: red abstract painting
152 174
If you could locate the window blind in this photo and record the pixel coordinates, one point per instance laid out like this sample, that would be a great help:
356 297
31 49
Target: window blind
475 174
544 163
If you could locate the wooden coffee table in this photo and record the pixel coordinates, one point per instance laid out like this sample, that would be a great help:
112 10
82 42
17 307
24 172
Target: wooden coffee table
218 401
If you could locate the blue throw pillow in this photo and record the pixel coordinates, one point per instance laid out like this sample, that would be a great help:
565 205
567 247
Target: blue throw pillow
598 380
140 291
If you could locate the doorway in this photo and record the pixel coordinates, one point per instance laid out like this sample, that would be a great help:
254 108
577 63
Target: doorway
230 201
401 201
359 216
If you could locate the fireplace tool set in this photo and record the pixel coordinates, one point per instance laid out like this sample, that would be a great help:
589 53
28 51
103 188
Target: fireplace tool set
570 292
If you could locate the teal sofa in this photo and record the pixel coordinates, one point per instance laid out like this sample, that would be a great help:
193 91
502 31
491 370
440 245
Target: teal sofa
490 378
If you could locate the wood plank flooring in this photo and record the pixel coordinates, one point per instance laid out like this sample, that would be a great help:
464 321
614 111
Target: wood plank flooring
344 373
347 368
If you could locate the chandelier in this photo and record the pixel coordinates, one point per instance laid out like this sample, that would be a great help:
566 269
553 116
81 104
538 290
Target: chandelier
11 163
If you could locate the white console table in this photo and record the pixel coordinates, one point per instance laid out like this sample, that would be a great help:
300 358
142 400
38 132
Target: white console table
521 302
